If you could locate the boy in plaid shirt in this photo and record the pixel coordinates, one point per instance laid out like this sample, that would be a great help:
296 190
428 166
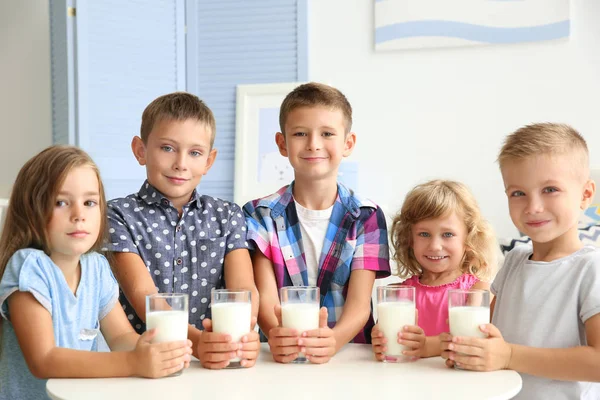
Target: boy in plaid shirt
316 231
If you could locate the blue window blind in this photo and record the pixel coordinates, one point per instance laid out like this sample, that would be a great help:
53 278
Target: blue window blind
232 42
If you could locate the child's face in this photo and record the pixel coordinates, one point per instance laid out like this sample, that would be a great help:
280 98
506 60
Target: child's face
439 243
315 142
176 157
75 223
546 195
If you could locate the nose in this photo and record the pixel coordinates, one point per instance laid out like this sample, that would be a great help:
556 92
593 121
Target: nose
77 212
435 243
534 205
180 162
314 142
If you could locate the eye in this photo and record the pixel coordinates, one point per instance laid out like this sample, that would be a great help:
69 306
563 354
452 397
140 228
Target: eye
90 203
61 203
167 149
328 134
299 134
550 189
448 234
423 234
517 193
195 153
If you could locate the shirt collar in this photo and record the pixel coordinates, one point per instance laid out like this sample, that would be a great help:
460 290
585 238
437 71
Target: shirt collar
151 195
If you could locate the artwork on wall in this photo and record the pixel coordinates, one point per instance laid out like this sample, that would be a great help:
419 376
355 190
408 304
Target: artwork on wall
259 167
414 24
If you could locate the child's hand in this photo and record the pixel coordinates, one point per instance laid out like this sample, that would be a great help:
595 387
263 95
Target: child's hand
250 347
160 359
413 337
378 341
445 340
489 354
283 341
319 344
216 349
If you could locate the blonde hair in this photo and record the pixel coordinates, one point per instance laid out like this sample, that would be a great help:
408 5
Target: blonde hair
33 198
544 139
312 95
177 106
436 199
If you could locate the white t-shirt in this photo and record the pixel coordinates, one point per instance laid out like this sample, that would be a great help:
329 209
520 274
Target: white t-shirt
546 304
313 228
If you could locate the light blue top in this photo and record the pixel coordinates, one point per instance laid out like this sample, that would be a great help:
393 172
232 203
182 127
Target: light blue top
75 317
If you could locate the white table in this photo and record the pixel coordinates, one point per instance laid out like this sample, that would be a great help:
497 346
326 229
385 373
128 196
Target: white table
351 374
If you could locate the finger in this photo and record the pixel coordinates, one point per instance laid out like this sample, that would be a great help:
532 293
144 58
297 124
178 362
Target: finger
250 337
248 355
378 341
250 346
210 337
413 329
469 341
411 344
379 356
284 359
468 350
318 359
248 363
412 353
318 333
411 336
147 336
169 346
323 317
285 351
463 360
283 332
445 337
316 342
174 354
253 323
218 357
379 349
207 324
449 363
416 317
219 347
283 342
171 369
278 314
318 351
215 365
491 330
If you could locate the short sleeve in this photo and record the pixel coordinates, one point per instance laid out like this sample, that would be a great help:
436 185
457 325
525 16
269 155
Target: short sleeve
108 288
237 230
258 234
501 276
589 293
120 237
372 249
27 271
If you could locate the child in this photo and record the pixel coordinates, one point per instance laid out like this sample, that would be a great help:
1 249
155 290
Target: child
440 242
316 231
56 294
169 238
546 313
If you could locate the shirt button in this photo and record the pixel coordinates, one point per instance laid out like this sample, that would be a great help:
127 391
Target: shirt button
178 228
165 202
179 261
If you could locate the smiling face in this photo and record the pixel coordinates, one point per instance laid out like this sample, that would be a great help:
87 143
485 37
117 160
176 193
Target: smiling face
76 218
177 154
546 194
439 243
315 142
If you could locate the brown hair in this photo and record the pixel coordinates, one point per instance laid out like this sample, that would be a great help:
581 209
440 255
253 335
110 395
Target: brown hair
436 199
544 138
312 95
177 106
33 198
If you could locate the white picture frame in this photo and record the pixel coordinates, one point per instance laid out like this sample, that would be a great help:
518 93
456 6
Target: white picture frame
259 168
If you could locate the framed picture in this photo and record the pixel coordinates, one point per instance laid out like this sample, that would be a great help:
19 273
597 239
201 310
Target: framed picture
259 168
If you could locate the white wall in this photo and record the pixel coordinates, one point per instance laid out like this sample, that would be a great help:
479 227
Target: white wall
422 114
25 99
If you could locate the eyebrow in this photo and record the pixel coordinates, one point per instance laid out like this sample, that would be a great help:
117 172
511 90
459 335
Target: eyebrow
91 193
166 139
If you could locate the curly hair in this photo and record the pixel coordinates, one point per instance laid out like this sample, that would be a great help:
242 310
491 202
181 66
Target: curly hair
436 199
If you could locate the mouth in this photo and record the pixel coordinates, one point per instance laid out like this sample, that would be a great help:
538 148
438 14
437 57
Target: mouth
78 234
314 159
537 224
436 258
176 180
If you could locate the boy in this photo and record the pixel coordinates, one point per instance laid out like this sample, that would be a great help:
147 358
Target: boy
170 239
315 231
546 313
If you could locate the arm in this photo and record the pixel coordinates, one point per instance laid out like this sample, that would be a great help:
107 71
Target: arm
136 283
33 327
481 285
239 275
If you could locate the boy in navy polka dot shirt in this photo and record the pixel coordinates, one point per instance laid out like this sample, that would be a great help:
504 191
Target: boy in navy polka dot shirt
167 238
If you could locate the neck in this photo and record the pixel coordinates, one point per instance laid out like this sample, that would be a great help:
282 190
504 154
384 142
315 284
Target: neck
315 194
562 246
70 267
439 278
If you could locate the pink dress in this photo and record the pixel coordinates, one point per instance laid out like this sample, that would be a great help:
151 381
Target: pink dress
432 302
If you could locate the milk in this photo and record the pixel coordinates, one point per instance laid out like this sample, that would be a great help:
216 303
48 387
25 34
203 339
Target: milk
232 318
465 321
170 325
391 317
300 316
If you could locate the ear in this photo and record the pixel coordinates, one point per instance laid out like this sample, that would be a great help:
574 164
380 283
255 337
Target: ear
349 144
589 189
281 144
139 150
212 156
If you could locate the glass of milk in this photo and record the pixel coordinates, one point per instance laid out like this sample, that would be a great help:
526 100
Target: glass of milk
300 310
467 310
231 314
168 314
395 309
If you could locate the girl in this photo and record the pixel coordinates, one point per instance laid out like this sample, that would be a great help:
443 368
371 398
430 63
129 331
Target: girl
56 294
441 242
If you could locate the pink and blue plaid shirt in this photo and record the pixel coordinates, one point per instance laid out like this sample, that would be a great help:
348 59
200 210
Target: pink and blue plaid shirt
356 239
